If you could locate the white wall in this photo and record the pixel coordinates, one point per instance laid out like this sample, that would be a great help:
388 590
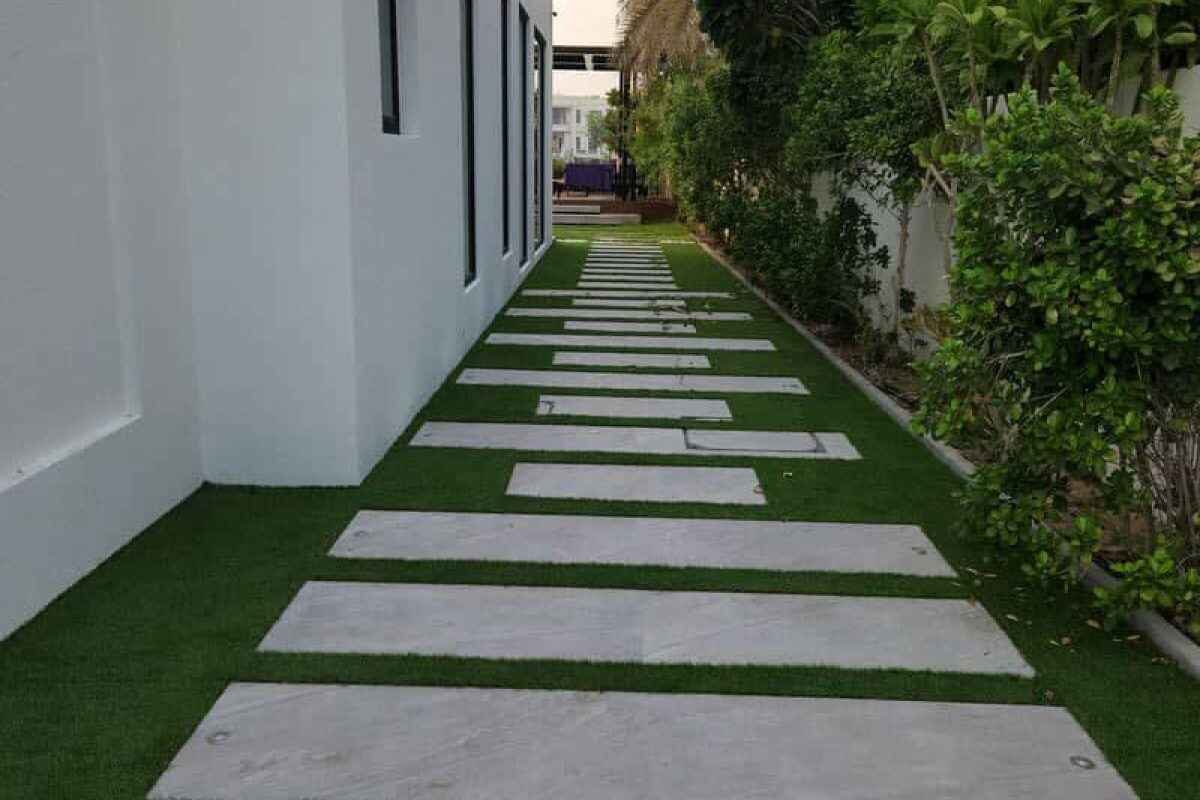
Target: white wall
415 318
216 265
97 411
927 277
265 155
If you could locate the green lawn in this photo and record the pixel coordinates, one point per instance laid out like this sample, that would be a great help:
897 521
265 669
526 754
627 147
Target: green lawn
101 690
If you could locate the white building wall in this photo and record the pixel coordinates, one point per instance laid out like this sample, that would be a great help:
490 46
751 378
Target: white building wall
265 155
579 108
415 318
97 392
216 266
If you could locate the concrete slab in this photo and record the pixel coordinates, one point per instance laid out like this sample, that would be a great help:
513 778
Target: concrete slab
830 445
627 266
585 284
643 360
614 293
630 259
633 626
561 539
632 440
626 279
625 381
646 275
597 219
574 208
628 327
629 303
707 485
616 313
283 742
633 408
628 342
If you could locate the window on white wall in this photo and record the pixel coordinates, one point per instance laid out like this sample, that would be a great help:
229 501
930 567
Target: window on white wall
389 65
468 98
505 121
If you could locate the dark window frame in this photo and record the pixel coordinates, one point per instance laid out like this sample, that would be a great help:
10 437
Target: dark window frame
506 120
468 89
539 40
389 65
526 134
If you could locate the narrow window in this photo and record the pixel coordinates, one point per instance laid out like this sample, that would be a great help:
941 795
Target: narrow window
526 135
505 183
390 66
468 89
578 118
539 133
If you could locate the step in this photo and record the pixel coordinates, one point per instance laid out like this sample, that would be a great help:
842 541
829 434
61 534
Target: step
628 342
700 443
585 303
586 284
627 327
635 294
636 484
598 313
264 741
639 360
710 543
597 219
624 381
634 408
577 209
644 627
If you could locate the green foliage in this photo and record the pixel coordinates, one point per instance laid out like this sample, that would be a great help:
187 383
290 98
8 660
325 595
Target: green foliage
1154 582
1076 313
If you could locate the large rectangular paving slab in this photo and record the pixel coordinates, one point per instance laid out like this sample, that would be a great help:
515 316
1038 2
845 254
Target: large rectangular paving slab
618 381
716 543
646 360
628 342
618 313
648 277
575 405
645 627
586 284
640 294
628 327
266 741
622 439
585 303
637 484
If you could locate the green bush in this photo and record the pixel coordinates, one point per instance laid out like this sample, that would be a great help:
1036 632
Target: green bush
1075 329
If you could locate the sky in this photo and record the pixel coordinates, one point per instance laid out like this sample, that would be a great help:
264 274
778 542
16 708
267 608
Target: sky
585 22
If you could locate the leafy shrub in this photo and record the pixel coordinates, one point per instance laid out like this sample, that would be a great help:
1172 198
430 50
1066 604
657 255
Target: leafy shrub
1075 327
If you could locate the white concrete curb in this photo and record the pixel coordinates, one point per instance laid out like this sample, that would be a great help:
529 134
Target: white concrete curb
1169 639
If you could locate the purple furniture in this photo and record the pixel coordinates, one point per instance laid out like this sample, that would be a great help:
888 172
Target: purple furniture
590 177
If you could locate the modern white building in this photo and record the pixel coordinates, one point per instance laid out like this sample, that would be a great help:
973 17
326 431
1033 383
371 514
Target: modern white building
570 135
243 242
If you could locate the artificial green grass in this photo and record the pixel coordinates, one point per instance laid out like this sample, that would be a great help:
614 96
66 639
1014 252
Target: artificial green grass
102 688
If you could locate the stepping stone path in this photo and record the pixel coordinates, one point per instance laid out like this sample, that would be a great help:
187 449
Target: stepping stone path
282 742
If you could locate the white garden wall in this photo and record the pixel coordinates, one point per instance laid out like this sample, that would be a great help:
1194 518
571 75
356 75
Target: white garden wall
927 261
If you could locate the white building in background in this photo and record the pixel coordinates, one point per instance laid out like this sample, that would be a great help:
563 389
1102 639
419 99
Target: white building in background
570 132
244 241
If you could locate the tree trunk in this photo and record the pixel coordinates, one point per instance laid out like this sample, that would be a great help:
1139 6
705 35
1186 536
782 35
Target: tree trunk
1155 51
936 74
902 263
1114 75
